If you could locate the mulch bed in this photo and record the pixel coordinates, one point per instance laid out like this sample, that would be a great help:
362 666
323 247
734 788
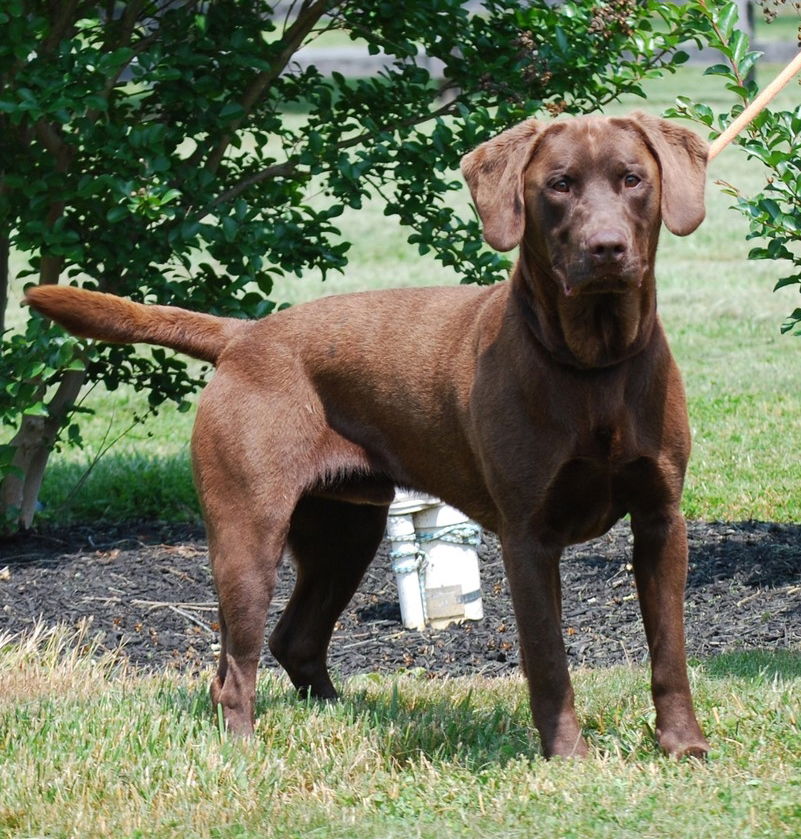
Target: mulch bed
148 588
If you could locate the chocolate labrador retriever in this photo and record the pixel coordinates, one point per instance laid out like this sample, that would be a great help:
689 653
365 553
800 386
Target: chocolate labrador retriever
545 407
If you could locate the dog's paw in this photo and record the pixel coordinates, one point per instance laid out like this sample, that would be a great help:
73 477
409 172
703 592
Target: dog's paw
681 745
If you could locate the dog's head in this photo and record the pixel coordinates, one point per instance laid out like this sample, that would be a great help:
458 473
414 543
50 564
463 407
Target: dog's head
586 196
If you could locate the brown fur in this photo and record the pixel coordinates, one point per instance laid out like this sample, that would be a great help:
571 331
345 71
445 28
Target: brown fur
545 407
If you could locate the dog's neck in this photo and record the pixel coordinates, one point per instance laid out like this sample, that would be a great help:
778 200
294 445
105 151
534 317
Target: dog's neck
589 331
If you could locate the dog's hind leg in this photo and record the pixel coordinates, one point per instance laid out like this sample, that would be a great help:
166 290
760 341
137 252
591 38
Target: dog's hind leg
244 558
332 543
249 480
260 441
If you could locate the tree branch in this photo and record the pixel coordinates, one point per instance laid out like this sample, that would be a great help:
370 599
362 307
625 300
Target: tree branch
289 167
63 154
63 19
277 170
723 40
4 277
293 38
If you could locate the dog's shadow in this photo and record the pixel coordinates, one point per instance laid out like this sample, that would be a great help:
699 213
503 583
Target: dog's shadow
408 726
403 725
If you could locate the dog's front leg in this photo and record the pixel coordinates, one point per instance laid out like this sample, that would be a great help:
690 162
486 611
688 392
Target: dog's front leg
533 572
660 569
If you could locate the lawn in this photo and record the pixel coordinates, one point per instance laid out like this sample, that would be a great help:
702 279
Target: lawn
90 750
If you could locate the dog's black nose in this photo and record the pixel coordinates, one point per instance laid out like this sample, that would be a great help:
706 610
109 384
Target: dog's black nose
607 247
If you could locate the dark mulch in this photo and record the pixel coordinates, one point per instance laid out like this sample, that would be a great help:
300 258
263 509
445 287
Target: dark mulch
149 588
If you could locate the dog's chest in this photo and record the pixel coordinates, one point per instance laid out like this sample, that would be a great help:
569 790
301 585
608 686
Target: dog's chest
605 442
591 488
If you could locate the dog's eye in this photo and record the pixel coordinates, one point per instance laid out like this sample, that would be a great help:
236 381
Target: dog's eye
631 181
561 185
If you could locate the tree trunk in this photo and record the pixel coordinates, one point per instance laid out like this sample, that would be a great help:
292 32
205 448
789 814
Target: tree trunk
4 279
19 491
34 441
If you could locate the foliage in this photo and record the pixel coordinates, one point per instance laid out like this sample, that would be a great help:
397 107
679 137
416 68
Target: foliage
145 152
773 138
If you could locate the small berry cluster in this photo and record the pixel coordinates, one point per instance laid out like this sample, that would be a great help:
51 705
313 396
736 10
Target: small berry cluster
616 15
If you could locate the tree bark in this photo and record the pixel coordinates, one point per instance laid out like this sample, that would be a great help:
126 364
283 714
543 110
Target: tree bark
4 278
33 443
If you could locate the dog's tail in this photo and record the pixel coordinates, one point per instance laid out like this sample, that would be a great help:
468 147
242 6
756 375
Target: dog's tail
92 314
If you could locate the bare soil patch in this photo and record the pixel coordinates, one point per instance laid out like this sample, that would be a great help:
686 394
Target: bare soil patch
148 587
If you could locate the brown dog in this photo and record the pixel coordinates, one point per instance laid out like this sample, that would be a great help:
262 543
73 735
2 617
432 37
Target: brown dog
545 408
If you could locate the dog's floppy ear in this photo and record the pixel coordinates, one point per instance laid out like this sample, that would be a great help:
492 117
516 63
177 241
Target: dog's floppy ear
494 173
682 157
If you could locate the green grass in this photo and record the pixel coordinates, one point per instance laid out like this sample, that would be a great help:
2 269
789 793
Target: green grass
720 313
88 749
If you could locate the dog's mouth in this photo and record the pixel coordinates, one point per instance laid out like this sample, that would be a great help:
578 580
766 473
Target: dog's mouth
602 283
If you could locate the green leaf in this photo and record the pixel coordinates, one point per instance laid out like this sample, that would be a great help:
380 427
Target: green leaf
719 70
37 409
116 214
738 46
231 111
727 17
787 281
770 207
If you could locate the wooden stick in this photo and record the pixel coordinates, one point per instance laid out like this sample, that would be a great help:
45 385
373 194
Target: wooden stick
755 107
